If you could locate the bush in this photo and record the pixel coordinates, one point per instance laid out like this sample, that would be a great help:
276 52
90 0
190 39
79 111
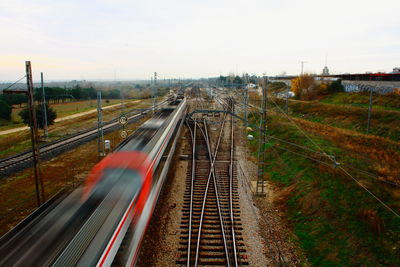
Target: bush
51 116
303 86
5 110
336 87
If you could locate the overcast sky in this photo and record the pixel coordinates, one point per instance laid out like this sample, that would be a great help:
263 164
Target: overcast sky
82 39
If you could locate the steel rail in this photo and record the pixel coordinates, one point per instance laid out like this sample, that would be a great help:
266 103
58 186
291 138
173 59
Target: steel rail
193 135
220 210
13 161
211 173
231 190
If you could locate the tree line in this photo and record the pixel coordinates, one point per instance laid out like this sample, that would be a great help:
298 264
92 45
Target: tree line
53 95
59 94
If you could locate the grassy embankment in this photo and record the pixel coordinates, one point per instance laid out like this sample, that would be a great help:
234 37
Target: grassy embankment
337 222
384 122
20 141
385 102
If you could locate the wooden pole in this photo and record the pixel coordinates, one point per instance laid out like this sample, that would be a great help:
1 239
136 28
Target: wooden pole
33 126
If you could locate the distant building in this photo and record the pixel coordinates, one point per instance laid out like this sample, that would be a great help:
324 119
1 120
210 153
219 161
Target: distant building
396 70
325 71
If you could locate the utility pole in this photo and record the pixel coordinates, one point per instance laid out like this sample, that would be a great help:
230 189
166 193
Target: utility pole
246 99
260 188
44 107
34 135
100 140
302 66
369 110
40 194
154 91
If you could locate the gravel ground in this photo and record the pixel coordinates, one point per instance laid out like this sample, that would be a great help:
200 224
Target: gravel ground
266 236
265 218
161 242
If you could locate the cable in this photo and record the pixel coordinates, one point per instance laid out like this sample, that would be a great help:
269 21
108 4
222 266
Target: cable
366 189
312 141
305 156
294 144
346 172
14 83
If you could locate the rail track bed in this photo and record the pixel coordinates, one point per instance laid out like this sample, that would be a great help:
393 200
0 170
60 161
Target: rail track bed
211 228
48 151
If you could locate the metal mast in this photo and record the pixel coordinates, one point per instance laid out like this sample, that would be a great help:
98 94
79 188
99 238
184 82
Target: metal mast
100 134
302 66
154 91
44 106
246 98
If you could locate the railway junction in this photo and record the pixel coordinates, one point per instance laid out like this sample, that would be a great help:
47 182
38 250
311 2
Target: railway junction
178 191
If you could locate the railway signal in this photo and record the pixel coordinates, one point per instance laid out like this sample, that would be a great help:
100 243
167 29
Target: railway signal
123 134
123 120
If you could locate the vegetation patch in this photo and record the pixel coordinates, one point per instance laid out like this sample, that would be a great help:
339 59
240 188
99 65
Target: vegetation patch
337 222
388 102
384 123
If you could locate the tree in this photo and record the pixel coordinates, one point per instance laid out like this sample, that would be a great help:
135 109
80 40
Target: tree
237 81
14 99
77 92
303 86
336 86
51 116
5 110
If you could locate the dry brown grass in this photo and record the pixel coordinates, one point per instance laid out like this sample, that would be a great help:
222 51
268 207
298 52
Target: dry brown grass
69 170
20 141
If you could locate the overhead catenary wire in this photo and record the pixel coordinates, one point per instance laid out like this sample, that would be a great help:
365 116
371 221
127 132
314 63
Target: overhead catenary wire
305 156
303 132
332 158
372 194
373 175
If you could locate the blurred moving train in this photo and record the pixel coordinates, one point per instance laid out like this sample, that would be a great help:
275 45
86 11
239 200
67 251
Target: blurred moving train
103 222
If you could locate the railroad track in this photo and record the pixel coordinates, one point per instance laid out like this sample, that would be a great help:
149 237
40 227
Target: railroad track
24 160
211 226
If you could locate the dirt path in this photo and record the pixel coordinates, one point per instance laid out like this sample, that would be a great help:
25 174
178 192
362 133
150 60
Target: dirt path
73 116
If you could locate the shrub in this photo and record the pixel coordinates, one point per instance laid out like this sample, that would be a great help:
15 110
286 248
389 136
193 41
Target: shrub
5 110
51 116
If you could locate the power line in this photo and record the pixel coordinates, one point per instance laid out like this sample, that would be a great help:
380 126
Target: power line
372 175
372 194
15 83
305 156
294 144
340 167
304 133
